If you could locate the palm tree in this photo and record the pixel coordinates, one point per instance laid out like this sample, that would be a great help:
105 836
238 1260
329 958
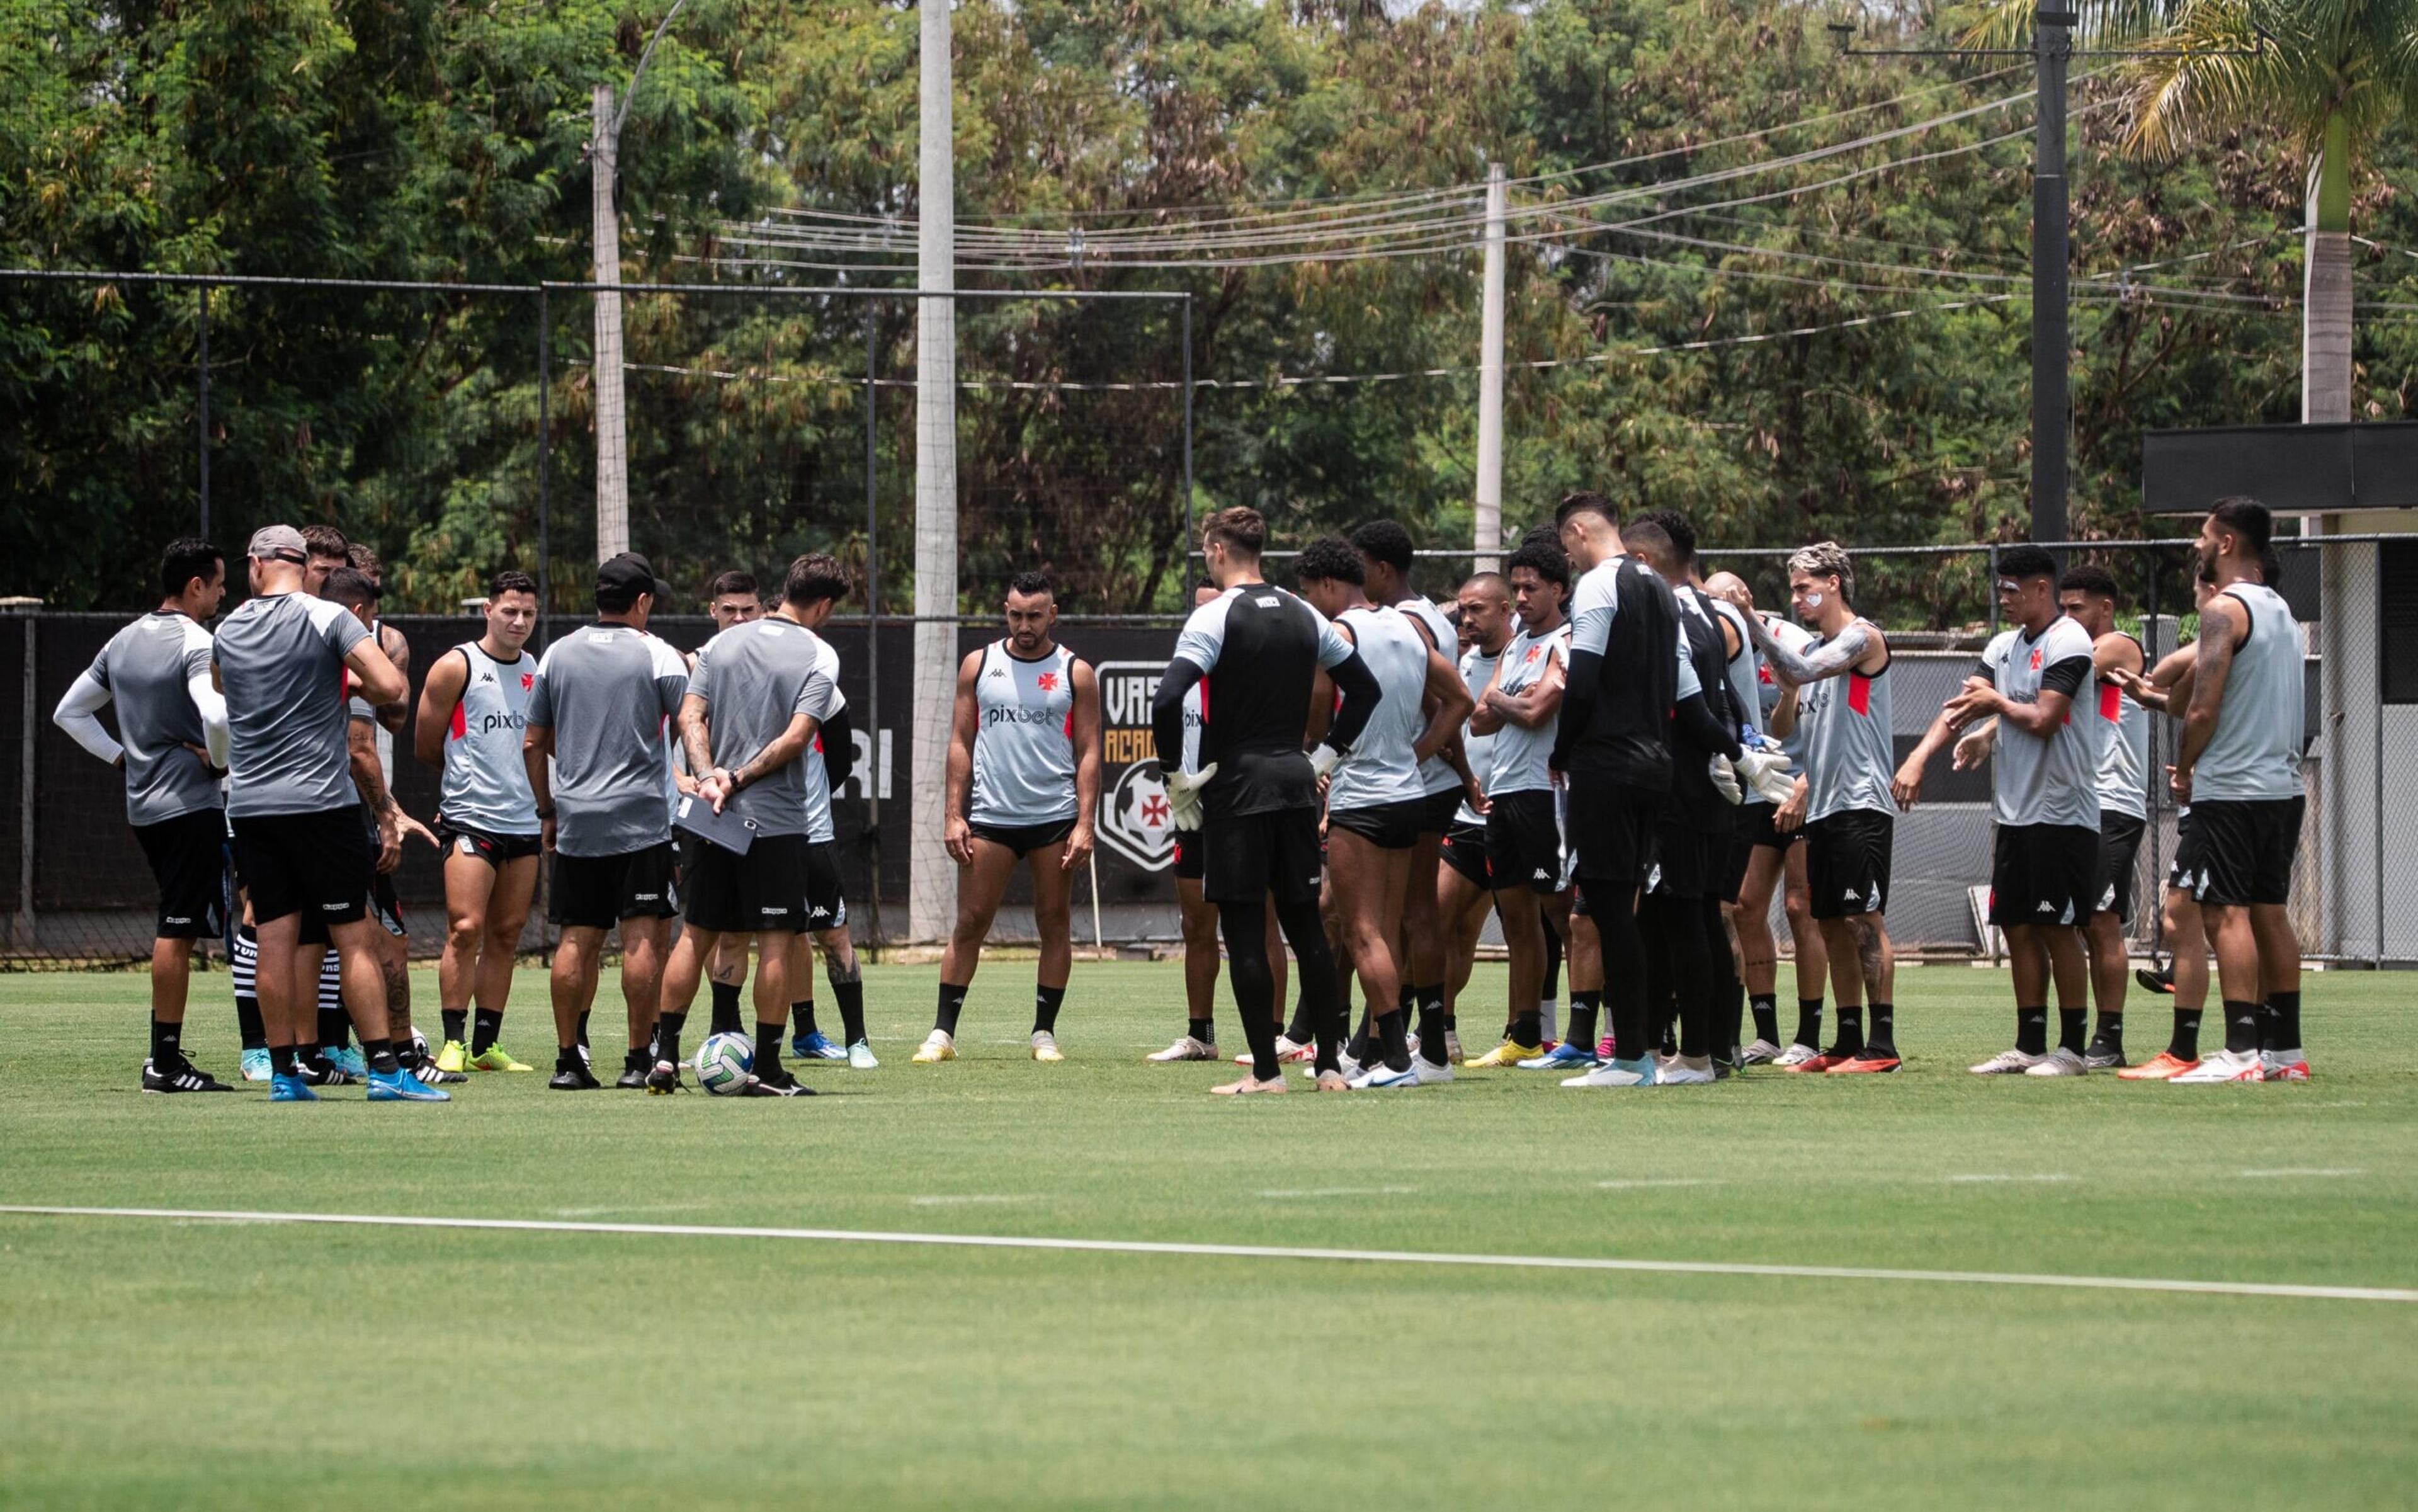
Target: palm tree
2333 75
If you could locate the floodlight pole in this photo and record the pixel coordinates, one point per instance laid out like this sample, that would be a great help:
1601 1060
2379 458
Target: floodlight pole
1488 499
932 903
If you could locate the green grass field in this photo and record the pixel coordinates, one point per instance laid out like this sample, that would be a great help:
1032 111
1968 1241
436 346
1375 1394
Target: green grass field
215 1363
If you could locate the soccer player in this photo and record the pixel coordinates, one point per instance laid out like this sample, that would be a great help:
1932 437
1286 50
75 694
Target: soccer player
285 660
157 670
1445 779
593 753
2087 594
1520 711
1849 815
1776 863
2167 690
2237 766
1465 883
2044 800
1023 782
747 723
1682 906
473 721
1254 800
369 739
1375 804
822 770
1612 746
732 598
1199 919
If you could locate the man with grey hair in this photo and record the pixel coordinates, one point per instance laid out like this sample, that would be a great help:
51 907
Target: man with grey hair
1844 800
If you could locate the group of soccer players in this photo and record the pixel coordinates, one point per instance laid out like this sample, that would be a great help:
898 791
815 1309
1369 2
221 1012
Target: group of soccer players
1613 755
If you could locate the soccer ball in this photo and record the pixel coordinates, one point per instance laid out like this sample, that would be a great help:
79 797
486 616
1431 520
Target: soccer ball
723 1062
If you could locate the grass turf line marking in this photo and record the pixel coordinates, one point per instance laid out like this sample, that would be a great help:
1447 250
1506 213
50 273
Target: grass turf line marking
2051 1176
1286 1193
1146 1246
948 1199
1629 1185
2303 1171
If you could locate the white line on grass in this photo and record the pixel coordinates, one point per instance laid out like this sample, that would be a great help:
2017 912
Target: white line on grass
951 1198
1995 1176
1146 1246
1340 1191
1617 1184
2306 1171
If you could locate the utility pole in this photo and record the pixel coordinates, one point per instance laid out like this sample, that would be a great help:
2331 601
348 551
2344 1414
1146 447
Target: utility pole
612 446
2052 45
931 876
1489 509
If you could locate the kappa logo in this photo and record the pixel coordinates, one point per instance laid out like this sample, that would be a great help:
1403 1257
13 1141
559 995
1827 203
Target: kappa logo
998 672
1542 876
488 678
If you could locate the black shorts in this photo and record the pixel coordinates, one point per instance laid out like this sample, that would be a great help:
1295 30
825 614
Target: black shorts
1754 822
1438 810
1685 861
1847 863
599 891
495 849
2044 874
1524 841
1247 857
763 891
1386 826
2119 846
319 865
1735 854
1612 828
2240 851
824 908
1024 839
188 857
1465 850
1188 855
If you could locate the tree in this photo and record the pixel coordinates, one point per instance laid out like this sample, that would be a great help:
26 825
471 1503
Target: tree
2333 75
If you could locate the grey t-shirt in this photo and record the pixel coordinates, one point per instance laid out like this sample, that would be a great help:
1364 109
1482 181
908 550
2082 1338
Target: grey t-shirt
280 659
148 668
608 692
2050 779
753 679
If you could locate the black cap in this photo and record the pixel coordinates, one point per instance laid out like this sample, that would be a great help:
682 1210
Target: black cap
630 574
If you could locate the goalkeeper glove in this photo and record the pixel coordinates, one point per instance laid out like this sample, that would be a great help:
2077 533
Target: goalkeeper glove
1183 794
1766 773
1725 778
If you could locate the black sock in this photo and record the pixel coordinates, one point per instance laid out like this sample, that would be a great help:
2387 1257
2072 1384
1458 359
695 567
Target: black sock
2184 1045
1430 1001
2107 1033
1046 1003
1882 1038
1809 1023
335 1027
457 1024
667 1033
1579 1030
1203 1030
638 1060
802 1017
953 1002
2072 1025
1764 1006
2031 1030
1528 1027
248 1024
1356 1048
1394 1039
1432 1046
582 1028
2285 1025
1851 1030
164 1036
484 1026
379 1054
2240 1026
1300 1030
768 1049
851 1009
726 1008
307 1050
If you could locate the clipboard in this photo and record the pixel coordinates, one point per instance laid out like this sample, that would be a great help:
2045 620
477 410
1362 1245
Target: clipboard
725 828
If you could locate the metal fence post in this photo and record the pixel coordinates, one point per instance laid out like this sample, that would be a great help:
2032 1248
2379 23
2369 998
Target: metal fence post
2152 798
871 773
1184 585
29 721
202 405
545 467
